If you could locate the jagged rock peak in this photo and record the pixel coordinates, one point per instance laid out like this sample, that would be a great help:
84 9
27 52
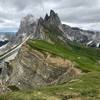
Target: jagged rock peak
27 25
28 19
46 17
52 19
52 12
40 21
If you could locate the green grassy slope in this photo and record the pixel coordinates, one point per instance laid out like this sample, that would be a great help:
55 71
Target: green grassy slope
86 87
85 58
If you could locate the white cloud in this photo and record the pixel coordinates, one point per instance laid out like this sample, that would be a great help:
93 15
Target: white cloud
82 13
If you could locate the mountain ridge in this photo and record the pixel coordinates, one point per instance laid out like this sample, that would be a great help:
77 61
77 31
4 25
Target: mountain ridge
56 61
89 38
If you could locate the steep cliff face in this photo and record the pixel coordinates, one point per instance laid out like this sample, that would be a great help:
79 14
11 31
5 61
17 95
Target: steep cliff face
43 28
48 27
89 38
34 68
27 25
52 19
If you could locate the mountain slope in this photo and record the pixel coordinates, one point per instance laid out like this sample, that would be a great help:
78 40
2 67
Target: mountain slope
26 68
86 59
86 87
41 63
55 63
34 68
43 28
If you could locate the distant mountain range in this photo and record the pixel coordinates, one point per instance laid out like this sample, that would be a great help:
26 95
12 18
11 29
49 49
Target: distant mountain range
7 40
3 43
7 32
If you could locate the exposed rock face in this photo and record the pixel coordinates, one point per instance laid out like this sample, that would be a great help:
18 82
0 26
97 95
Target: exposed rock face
53 19
75 34
32 68
5 72
28 23
4 89
27 26
89 38
45 24
40 33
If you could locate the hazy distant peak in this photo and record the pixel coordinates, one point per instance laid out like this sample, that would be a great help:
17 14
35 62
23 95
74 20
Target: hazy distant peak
28 19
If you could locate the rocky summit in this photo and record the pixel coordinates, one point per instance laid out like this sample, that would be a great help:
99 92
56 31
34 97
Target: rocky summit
39 28
32 68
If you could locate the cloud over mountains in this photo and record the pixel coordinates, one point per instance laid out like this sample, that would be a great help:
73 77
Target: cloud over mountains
82 13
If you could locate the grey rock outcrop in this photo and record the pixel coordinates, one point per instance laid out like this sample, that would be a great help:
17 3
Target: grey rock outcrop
39 28
32 68
27 25
53 19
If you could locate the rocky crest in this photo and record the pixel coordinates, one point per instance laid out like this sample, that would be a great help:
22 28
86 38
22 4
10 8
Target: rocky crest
52 23
53 19
44 25
32 68
27 25
35 68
